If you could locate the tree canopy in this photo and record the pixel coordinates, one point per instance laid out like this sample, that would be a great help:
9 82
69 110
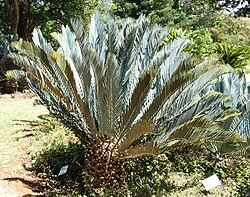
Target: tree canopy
19 17
185 14
241 7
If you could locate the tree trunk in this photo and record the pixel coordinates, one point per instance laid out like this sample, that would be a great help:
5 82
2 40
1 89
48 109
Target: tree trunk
24 21
13 11
175 4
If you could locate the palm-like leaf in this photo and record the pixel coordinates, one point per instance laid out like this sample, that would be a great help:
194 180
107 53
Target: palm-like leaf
119 84
241 126
237 88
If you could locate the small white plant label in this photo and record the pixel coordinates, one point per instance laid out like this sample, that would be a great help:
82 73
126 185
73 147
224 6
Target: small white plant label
3 190
63 170
211 182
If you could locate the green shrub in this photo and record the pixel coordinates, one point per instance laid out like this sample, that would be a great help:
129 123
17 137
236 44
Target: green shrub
178 172
148 176
47 165
55 147
49 162
201 43
231 30
238 56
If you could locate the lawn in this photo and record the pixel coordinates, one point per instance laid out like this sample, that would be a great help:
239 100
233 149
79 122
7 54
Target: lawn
17 117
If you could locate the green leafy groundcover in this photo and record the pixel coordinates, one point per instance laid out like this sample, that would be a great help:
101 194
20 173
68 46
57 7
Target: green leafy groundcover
172 174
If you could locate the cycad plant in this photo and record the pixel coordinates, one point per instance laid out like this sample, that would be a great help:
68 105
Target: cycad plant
6 85
121 92
238 88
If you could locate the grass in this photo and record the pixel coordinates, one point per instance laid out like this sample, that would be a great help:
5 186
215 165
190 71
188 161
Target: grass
15 124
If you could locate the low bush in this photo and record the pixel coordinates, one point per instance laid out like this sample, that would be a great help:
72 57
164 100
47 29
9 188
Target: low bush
55 147
180 173
231 30
172 174
47 164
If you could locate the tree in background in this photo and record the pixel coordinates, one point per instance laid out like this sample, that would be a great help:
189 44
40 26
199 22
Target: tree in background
231 30
200 22
240 7
19 17
50 15
189 14
13 14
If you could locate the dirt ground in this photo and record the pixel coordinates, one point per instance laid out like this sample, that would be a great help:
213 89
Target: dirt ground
16 178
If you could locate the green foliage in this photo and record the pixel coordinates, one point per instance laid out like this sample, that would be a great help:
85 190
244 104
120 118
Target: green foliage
187 15
53 148
156 176
148 177
201 43
236 56
48 15
231 30
3 19
226 31
174 35
49 162
176 173
232 170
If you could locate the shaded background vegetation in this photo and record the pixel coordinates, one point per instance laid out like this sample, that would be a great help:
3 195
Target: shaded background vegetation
202 21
